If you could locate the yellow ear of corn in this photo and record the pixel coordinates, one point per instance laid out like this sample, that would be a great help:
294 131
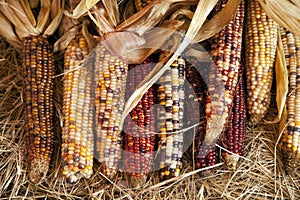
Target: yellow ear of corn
170 115
291 141
110 75
261 40
38 73
78 110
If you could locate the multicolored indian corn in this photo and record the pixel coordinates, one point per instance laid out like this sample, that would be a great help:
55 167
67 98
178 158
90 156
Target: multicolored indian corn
260 44
110 77
78 111
236 127
290 141
203 155
226 56
139 127
38 74
170 117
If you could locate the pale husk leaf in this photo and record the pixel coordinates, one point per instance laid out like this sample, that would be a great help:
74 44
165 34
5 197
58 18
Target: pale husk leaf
202 11
218 22
82 8
62 43
20 15
99 16
27 9
284 12
14 11
7 31
112 9
150 16
43 16
57 8
281 79
65 39
136 48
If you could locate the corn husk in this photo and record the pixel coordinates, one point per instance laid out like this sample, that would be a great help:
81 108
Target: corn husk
285 12
19 21
281 79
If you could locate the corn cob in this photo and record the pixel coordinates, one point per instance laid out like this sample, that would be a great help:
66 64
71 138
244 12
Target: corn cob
261 40
77 132
236 128
140 4
110 76
226 54
290 142
170 115
203 155
139 127
38 71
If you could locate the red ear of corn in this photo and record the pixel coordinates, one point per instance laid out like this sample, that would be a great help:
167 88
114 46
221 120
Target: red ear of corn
139 128
170 115
226 55
203 155
261 40
236 129
110 75
38 74
291 142
78 110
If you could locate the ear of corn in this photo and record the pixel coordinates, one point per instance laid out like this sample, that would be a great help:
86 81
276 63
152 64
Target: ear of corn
110 76
203 155
226 55
38 74
261 40
139 128
170 116
236 128
291 141
78 110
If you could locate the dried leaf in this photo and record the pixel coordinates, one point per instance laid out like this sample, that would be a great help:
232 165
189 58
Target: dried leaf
111 7
217 23
55 22
134 49
284 12
99 16
281 79
7 31
149 16
82 8
66 24
15 13
43 17
62 43
27 10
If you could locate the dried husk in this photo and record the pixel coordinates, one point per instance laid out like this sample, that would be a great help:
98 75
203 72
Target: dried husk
218 22
281 79
20 22
285 12
150 16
